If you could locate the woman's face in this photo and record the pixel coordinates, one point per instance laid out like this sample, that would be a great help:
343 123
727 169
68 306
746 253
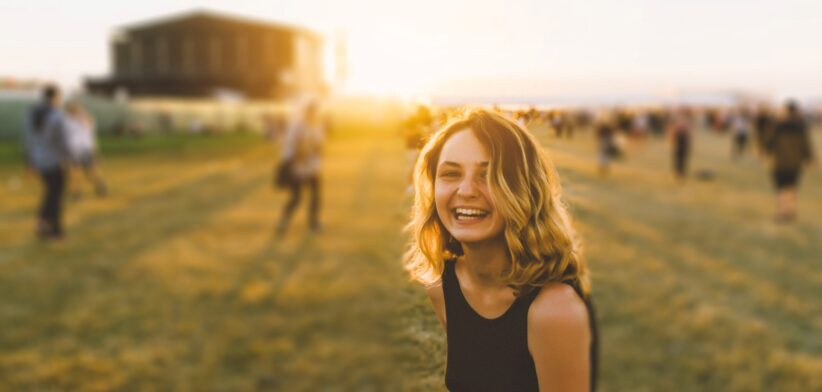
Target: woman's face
461 194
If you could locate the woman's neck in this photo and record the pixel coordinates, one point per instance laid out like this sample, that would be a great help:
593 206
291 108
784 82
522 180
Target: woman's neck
487 262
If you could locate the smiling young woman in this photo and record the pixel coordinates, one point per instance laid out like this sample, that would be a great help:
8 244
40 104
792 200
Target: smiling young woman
494 245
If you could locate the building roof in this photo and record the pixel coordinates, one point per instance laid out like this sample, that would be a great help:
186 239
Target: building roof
217 16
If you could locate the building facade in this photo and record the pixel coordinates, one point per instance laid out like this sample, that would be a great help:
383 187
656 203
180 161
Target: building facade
201 54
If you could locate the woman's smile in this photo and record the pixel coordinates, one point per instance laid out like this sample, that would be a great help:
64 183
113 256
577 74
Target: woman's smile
467 215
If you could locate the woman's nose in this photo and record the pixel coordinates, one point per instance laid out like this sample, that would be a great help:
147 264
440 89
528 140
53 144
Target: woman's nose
467 187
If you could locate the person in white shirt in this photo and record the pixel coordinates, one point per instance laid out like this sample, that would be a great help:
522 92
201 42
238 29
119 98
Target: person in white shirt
301 158
740 128
82 146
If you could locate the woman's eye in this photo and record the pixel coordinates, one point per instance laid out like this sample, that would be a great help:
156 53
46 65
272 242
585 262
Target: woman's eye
483 175
449 174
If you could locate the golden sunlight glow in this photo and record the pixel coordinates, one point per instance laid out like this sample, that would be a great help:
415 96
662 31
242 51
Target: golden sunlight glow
378 76
380 67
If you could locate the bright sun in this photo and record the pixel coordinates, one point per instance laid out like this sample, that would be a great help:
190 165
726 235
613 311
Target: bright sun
365 66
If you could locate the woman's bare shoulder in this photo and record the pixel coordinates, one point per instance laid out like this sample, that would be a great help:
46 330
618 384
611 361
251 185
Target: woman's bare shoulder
559 338
558 307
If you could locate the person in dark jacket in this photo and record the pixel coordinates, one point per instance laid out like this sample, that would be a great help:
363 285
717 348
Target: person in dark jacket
606 143
45 152
789 150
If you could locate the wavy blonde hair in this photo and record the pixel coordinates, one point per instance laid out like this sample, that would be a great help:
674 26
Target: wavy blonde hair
525 188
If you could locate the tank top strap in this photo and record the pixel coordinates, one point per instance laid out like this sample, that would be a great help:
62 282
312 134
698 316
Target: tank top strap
450 285
448 270
577 288
531 296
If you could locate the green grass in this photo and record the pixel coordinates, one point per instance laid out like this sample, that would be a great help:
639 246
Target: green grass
177 282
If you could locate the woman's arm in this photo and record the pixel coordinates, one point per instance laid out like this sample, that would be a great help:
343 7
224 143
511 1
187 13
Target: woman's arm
559 338
437 298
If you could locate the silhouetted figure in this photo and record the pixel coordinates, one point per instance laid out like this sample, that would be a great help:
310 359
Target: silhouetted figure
301 157
789 149
680 133
764 124
46 152
606 144
656 123
624 121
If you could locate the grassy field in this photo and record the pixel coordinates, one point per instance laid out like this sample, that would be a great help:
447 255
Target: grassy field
176 280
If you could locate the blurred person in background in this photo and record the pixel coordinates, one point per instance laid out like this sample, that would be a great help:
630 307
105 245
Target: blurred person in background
495 246
46 152
639 128
300 161
789 150
606 144
560 125
81 140
763 127
638 131
624 121
680 132
656 122
740 129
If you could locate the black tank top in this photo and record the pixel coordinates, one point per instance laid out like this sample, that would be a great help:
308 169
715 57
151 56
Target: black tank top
492 354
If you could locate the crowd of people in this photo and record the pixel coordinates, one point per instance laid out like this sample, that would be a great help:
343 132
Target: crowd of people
59 144
60 140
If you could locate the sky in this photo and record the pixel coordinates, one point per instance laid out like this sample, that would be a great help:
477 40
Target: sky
479 47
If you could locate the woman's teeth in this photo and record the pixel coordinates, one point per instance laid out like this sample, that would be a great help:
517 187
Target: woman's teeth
469 213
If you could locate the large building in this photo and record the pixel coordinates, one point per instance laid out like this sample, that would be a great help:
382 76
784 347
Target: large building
200 54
